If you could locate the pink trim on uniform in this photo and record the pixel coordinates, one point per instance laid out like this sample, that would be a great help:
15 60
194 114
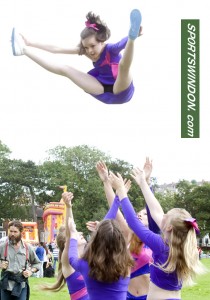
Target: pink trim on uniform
79 294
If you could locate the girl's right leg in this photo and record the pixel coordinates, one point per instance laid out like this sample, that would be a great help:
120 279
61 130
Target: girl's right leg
83 80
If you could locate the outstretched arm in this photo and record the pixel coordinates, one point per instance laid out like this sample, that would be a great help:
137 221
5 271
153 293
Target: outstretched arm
110 195
73 250
153 204
50 48
67 198
66 267
148 171
147 236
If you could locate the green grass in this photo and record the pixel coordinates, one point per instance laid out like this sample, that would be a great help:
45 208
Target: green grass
37 294
200 291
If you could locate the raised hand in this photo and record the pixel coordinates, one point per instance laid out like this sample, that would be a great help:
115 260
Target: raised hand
116 180
148 169
102 171
127 183
67 198
138 175
92 225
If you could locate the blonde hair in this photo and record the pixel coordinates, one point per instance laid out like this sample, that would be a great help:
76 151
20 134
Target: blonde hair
107 254
183 253
135 244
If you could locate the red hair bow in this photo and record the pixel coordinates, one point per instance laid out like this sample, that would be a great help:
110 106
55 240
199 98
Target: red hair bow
194 224
93 25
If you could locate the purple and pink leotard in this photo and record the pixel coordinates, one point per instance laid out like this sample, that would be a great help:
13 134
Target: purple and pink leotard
76 286
164 280
106 70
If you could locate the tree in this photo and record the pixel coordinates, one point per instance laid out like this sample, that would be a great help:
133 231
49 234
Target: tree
75 167
18 182
195 199
4 150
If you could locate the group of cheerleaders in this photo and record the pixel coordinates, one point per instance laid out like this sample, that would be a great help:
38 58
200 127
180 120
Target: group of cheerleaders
144 255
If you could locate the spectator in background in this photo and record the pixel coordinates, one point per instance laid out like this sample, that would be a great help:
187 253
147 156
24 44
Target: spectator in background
45 260
49 271
50 247
40 254
55 256
20 262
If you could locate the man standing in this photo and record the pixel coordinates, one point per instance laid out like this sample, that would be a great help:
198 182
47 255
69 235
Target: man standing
18 263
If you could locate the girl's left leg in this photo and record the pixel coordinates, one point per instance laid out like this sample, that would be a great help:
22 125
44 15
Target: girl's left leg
124 77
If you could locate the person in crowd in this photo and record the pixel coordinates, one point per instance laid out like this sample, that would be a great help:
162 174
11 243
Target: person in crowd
66 274
50 247
18 262
110 81
142 255
46 259
49 270
55 256
106 262
175 253
40 251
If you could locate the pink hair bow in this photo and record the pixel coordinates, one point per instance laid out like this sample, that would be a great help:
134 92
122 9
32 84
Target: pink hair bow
89 25
194 224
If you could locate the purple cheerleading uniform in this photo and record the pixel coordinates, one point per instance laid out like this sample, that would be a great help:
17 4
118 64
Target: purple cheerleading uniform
141 267
164 280
142 260
106 70
96 289
76 287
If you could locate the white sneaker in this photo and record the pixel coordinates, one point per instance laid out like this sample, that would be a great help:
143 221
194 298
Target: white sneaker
17 43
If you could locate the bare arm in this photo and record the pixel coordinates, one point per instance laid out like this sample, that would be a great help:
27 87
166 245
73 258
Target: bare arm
148 169
67 198
110 195
51 48
66 267
153 204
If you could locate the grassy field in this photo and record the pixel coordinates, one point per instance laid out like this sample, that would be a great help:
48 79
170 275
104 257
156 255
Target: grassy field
37 294
200 291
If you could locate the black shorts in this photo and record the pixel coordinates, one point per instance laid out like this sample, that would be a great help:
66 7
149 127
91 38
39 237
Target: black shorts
108 88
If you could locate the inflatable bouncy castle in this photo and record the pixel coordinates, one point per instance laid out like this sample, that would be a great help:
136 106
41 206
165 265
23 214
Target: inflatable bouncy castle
54 218
30 232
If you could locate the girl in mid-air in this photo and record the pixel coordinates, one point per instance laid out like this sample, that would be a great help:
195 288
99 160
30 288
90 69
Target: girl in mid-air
175 254
110 81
